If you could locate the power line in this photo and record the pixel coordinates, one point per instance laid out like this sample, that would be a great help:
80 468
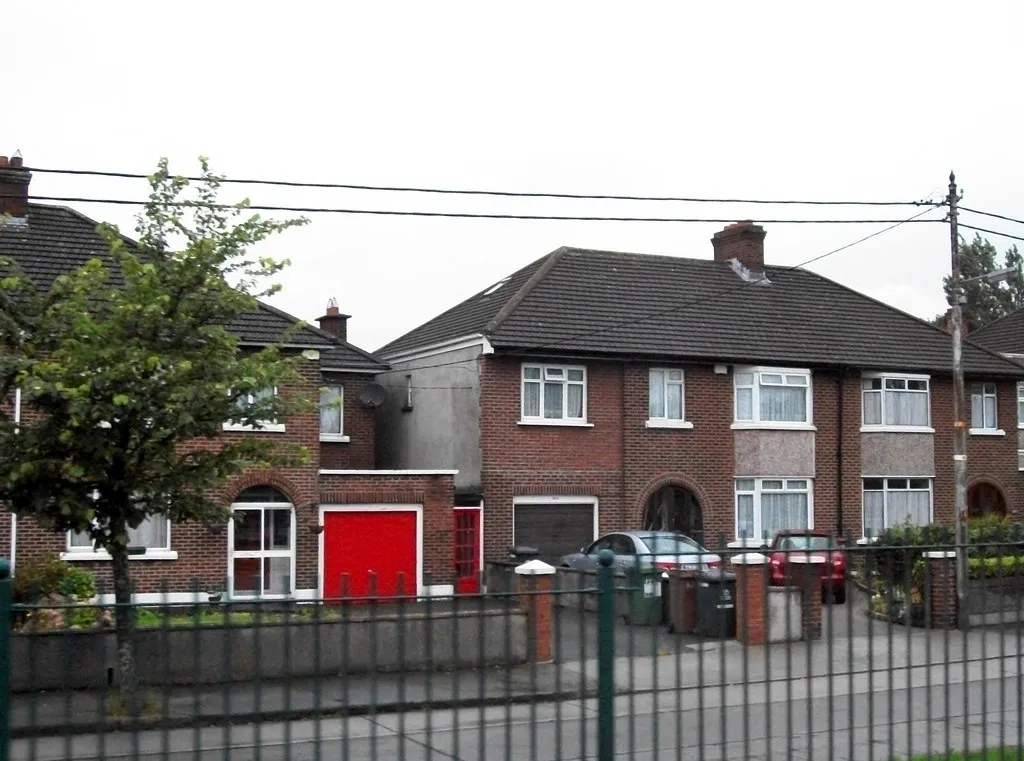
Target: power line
702 299
477 192
993 214
990 232
462 215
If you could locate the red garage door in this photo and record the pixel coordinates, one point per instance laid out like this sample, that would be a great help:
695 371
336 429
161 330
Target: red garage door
369 548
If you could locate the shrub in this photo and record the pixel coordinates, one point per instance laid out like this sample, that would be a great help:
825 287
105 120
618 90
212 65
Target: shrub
996 567
40 579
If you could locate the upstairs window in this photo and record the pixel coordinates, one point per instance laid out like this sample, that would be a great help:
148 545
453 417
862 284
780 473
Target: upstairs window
983 407
773 397
666 398
255 397
332 418
554 393
896 401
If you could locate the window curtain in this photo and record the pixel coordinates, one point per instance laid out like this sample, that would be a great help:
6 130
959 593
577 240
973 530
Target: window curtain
656 397
330 410
151 533
783 404
908 506
906 408
874 513
531 399
574 408
553 400
782 510
745 515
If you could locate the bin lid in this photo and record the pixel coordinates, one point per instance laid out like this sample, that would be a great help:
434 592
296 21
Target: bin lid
717 576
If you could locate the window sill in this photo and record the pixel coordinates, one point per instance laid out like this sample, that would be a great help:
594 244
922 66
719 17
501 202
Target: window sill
265 428
865 541
896 429
558 423
656 423
91 557
335 437
748 426
987 432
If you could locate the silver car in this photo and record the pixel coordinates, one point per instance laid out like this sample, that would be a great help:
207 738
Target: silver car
666 550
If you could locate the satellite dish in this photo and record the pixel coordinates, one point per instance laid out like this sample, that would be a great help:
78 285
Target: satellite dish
374 395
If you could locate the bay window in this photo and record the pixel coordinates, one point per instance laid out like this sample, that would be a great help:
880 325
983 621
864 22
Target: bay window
554 394
765 506
896 401
772 397
890 502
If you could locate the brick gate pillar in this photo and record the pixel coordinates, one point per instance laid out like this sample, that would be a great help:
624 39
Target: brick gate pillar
942 602
536 597
805 572
751 570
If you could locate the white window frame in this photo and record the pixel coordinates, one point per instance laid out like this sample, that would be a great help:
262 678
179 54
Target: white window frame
989 390
662 421
885 504
261 554
340 435
1020 425
883 426
92 553
266 426
544 368
758 540
755 421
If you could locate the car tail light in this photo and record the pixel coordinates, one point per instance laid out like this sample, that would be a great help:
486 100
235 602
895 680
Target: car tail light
838 561
714 563
665 565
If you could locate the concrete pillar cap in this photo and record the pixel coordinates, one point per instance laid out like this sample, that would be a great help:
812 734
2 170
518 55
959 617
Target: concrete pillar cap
940 554
535 568
750 558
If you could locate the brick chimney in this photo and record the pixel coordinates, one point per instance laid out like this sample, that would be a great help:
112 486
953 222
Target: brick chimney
14 180
334 322
743 241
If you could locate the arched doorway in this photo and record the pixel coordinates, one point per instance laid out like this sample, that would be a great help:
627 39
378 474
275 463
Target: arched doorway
261 544
985 499
675 508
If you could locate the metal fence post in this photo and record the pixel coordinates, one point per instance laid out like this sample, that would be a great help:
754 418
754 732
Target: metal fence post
5 658
605 657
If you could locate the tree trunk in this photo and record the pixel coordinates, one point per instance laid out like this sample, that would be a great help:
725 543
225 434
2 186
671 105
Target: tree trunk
124 620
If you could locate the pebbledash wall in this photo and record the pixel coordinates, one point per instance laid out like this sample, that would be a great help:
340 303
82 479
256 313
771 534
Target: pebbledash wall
622 462
335 472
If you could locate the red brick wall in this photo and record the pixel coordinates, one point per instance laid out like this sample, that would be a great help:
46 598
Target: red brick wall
521 460
700 459
435 492
358 423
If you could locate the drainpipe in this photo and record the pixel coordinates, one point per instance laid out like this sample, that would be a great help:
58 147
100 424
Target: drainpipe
839 453
14 518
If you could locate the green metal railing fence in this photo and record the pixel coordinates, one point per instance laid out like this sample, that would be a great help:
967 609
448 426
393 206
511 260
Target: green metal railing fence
842 652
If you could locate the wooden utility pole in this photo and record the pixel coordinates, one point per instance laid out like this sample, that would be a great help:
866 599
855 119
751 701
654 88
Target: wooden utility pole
960 409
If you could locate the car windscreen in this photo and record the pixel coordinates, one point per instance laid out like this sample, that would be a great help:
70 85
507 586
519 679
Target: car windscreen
672 545
809 542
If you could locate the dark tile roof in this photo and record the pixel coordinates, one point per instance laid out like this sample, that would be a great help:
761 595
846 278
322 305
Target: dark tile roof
618 304
58 239
1005 335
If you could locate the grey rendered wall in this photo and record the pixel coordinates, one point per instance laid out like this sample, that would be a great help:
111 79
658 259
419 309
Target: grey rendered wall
897 454
442 430
774 453
210 655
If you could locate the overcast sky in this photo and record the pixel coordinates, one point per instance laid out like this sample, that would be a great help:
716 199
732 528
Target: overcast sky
871 100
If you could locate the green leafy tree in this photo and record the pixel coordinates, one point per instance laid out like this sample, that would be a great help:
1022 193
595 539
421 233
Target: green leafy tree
126 362
986 301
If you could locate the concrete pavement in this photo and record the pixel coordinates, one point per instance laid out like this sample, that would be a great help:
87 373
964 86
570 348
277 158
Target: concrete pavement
879 697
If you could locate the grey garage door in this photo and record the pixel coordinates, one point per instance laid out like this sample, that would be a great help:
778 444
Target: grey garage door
555 529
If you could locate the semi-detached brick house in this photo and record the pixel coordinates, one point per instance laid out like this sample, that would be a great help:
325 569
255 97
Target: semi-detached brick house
306 528
596 391
1006 336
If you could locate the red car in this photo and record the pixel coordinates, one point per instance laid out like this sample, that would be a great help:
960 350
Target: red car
799 542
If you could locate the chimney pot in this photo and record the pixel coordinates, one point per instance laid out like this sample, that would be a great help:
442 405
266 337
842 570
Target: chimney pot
17 162
743 241
3 160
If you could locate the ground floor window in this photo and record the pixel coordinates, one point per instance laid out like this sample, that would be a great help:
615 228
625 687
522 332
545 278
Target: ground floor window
153 534
765 506
892 502
261 544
